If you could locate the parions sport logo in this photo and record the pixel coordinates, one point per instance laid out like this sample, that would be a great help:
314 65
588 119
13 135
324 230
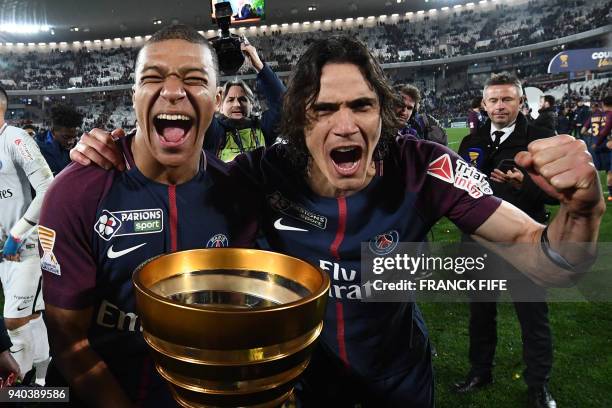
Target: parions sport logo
107 225
217 241
130 222
384 243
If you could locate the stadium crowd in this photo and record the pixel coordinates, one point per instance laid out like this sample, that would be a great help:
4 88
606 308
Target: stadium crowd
459 33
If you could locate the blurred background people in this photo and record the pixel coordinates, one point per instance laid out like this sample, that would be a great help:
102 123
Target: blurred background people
475 117
55 143
547 117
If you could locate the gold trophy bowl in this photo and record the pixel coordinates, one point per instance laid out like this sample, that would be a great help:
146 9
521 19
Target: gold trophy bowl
230 327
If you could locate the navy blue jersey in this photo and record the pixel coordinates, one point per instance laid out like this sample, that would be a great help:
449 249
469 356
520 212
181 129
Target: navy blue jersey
97 226
422 182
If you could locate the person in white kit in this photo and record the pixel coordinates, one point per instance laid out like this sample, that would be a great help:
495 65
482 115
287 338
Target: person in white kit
22 168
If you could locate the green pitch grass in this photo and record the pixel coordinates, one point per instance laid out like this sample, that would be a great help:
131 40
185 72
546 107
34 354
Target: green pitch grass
582 341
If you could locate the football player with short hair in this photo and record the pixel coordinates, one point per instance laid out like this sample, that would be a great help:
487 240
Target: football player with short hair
97 226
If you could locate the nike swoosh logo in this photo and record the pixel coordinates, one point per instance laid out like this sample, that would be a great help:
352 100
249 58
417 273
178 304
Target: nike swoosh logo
112 254
22 308
15 352
281 227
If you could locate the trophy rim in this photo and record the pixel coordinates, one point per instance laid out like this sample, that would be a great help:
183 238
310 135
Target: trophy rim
319 291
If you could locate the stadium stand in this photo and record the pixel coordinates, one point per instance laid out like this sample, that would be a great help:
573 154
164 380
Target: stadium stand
444 36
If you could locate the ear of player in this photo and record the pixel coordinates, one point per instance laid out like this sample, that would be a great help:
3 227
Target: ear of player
563 168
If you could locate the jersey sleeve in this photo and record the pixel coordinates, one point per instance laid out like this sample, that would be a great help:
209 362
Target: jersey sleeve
447 186
65 233
27 156
25 152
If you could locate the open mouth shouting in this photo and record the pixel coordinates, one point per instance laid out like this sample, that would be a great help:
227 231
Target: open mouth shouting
173 129
346 159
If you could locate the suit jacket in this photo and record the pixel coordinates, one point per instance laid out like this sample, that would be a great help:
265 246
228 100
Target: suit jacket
529 198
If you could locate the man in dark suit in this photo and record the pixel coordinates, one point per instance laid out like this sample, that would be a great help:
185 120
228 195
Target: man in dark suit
501 138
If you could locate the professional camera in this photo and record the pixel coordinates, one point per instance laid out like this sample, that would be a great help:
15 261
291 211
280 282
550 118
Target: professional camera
226 45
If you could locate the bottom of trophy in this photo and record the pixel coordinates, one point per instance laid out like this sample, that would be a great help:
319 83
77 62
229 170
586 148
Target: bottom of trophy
269 399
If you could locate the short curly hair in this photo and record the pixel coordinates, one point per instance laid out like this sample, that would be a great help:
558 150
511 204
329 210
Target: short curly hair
65 116
304 87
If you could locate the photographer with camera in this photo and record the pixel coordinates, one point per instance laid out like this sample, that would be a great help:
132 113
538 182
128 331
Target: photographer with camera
235 129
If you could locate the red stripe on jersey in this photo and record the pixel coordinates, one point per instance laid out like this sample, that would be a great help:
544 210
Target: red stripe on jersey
173 217
340 333
341 228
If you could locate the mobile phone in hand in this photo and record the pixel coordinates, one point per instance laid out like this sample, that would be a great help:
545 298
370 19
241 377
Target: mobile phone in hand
506 164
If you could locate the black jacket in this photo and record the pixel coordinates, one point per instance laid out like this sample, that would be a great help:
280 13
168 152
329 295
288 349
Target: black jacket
564 124
547 119
530 198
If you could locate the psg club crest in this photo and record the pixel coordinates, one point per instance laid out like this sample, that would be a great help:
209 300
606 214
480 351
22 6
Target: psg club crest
217 241
107 225
384 243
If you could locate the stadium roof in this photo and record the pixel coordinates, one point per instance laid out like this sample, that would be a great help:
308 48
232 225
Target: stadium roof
121 18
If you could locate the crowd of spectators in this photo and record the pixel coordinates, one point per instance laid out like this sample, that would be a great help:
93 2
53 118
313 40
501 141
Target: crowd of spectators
113 110
69 69
456 33
453 105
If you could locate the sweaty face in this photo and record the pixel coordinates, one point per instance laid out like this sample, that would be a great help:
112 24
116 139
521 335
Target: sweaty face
174 99
236 105
502 103
65 136
406 112
344 128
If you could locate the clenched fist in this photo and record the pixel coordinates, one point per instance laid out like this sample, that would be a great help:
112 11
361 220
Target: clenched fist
563 168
